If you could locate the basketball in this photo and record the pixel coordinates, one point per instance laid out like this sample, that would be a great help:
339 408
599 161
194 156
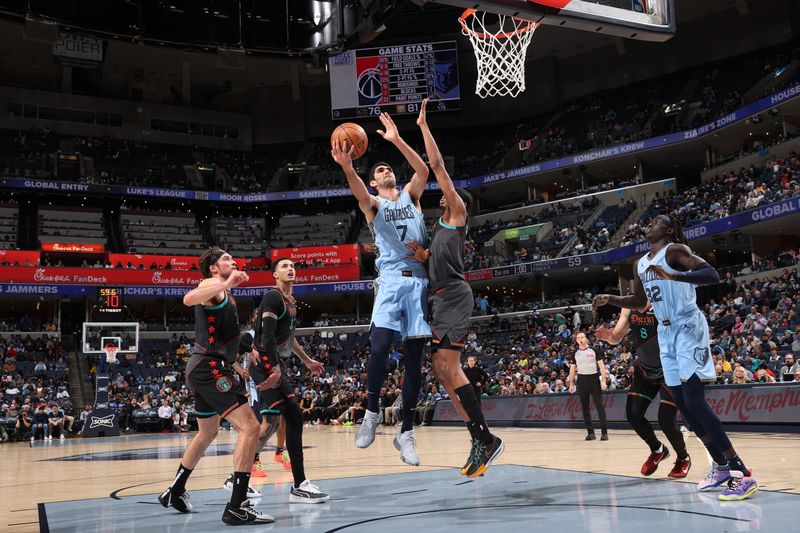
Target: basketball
351 134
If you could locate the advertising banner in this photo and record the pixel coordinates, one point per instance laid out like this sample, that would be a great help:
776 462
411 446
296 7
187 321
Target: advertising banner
73 248
19 256
162 278
345 254
734 404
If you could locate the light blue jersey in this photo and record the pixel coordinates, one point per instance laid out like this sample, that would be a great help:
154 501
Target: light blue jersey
394 225
670 299
683 335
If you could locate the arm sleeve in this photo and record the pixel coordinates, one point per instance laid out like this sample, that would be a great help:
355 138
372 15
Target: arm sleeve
598 355
245 342
704 274
271 308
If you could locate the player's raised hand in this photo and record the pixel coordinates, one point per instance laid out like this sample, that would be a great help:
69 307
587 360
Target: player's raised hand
599 301
343 157
417 252
315 367
661 273
422 119
603 333
237 277
390 133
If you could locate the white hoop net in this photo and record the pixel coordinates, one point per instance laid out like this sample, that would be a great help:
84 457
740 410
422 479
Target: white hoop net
111 354
500 43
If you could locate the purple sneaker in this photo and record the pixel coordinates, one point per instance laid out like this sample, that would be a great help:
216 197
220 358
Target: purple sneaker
739 487
715 478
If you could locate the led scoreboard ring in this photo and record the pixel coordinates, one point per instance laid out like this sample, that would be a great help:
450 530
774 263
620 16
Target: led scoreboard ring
110 303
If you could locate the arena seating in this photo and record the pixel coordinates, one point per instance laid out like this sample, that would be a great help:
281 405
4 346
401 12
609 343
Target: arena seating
242 237
9 214
313 230
161 233
84 225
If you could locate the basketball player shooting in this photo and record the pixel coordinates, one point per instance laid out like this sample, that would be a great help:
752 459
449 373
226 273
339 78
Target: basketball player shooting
665 276
218 394
395 218
451 303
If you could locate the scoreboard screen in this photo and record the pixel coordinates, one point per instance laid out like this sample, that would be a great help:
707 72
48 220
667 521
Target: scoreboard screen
110 304
394 79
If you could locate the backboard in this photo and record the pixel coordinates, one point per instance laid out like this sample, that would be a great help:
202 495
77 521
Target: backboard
647 20
124 335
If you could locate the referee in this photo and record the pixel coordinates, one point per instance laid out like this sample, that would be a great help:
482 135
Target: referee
588 364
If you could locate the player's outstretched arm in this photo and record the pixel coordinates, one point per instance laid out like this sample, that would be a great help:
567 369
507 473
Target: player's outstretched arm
692 268
458 211
344 158
633 301
211 288
621 328
416 186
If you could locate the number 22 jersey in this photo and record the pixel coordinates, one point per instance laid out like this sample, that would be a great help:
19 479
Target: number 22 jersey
671 300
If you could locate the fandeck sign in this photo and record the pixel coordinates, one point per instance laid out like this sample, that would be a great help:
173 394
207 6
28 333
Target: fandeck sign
73 248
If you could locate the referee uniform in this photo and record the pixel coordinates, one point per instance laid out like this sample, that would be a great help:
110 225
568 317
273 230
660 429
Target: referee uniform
588 384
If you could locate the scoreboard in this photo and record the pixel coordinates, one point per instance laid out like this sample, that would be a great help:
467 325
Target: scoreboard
394 79
110 304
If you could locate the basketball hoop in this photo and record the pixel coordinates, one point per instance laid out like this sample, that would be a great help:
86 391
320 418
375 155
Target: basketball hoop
500 54
111 353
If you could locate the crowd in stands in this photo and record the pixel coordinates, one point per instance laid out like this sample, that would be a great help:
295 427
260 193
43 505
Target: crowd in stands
34 395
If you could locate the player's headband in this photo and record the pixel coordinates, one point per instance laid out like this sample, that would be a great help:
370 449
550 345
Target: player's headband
666 219
216 257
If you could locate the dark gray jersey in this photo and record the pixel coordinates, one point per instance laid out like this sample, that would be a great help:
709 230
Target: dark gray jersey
446 261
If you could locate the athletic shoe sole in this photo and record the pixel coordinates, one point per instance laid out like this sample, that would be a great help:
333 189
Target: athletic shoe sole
307 500
737 498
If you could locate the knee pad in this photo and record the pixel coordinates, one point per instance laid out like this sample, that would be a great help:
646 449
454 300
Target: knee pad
636 408
293 416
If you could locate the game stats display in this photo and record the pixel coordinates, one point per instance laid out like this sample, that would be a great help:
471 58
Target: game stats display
394 79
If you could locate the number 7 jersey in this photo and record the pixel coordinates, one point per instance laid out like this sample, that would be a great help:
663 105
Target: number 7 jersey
670 299
394 225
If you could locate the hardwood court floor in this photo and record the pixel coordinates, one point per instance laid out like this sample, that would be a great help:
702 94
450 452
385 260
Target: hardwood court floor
75 469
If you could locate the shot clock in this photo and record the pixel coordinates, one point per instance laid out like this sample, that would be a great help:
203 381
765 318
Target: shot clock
110 304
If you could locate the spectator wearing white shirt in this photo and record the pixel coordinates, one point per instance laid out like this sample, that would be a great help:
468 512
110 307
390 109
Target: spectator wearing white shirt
165 414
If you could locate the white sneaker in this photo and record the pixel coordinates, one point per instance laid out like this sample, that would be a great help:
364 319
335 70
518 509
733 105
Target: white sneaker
61 437
366 433
49 437
252 494
33 439
408 447
307 492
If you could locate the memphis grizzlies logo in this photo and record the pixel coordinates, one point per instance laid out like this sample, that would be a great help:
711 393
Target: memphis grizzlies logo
701 356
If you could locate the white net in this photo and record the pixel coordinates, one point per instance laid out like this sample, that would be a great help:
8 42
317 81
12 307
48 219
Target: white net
500 43
111 354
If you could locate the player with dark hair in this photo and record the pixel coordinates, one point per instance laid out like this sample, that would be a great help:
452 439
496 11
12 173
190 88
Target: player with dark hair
451 303
666 277
218 394
395 218
648 380
275 343
591 381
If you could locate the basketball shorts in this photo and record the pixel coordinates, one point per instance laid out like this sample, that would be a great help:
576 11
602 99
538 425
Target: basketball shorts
401 305
451 307
217 391
274 401
648 385
685 349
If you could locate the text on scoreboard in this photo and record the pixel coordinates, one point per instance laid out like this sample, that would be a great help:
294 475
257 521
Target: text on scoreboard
394 79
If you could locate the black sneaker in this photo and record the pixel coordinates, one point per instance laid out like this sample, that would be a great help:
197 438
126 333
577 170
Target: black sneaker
484 455
591 436
180 502
604 435
246 514
465 468
307 492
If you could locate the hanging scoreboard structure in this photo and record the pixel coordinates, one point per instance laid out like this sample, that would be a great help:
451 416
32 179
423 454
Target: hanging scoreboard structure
110 305
394 79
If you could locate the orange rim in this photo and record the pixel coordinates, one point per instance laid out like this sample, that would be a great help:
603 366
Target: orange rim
499 35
